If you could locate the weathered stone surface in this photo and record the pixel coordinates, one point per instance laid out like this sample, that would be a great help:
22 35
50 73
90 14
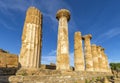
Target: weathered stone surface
116 76
63 16
8 71
78 52
70 77
106 80
104 64
30 55
7 59
95 57
99 58
107 64
87 52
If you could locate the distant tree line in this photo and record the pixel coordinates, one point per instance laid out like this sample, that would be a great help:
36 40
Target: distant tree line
115 66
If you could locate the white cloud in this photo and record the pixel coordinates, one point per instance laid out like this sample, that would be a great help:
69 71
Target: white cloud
53 52
108 35
115 60
8 5
113 32
48 8
7 8
72 58
48 59
51 58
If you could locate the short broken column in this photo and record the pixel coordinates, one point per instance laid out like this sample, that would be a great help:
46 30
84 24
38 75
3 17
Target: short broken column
30 54
87 52
95 57
78 52
63 16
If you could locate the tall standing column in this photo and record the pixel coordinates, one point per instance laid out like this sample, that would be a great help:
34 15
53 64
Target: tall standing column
78 52
88 55
63 16
99 58
30 54
95 57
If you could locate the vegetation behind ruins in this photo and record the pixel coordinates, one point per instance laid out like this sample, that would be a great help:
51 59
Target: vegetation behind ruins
115 66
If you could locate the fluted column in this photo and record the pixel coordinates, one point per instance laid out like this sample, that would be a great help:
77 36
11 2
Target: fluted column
99 58
95 57
78 52
30 54
87 51
63 17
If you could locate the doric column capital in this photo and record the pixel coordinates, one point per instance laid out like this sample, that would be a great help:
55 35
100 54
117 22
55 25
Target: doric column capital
63 16
78 33
99 47
89 36
63 13
102 49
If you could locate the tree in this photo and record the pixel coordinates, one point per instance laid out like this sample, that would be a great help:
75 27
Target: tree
115 66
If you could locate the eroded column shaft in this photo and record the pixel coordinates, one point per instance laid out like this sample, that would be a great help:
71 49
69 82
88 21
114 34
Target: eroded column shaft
87 51
107 64
95 57
99 58
30 53
63 44
78 52
103 60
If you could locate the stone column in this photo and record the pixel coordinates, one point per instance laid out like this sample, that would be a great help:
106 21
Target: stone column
30 54
106 64
78 52
88 55
95 57
63 16
103 60
99 58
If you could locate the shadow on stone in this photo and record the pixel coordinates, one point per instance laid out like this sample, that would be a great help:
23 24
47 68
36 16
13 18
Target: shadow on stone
5 73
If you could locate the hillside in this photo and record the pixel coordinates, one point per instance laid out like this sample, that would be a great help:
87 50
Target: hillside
7 59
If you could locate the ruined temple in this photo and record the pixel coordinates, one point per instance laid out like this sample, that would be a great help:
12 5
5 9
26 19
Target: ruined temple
90 61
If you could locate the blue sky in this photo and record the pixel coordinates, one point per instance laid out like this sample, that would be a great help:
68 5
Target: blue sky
101 18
